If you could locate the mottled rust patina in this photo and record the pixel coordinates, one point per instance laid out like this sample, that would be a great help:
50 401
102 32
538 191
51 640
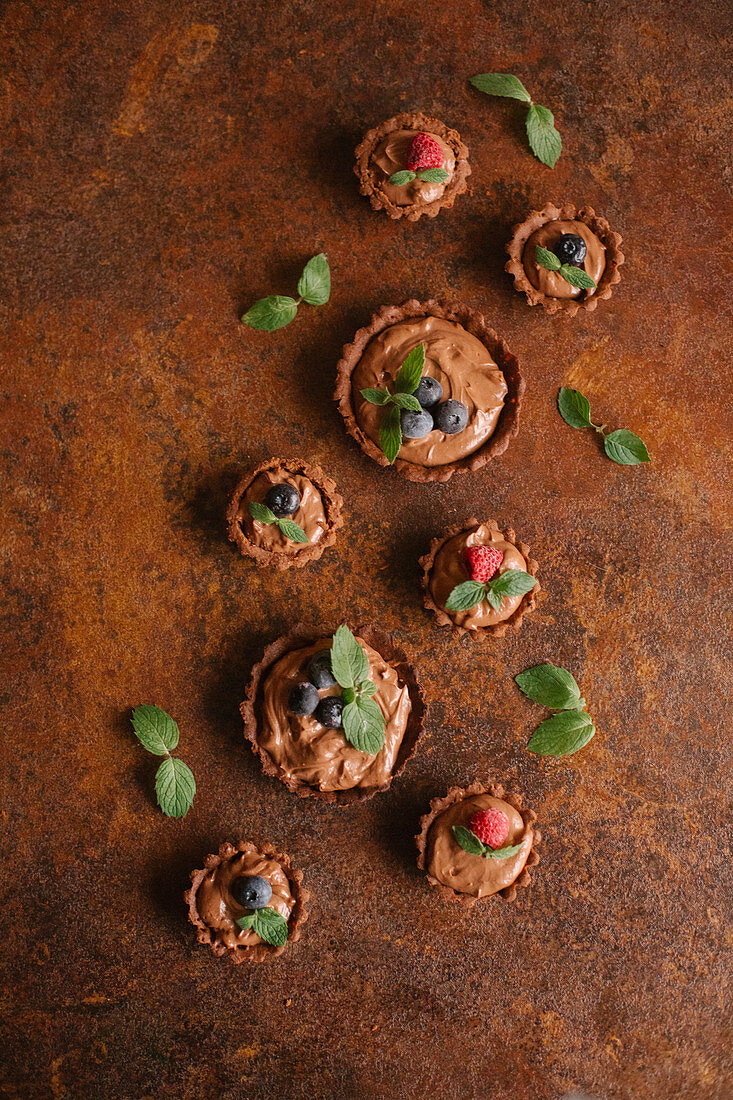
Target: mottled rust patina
163 165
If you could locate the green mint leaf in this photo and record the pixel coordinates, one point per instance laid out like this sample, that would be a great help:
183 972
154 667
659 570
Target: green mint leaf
433 175
363 725
577 277
468 840
550 686
574 408
349 695
246 922
349 662
376 397
544 140
292 530
366 687
261 512
466 595
271 313
407 401
502 853
270 927
410 373
390 433
503 84
155 730
564 733
512 582
175 787
314 285
399 179
546 259
625 448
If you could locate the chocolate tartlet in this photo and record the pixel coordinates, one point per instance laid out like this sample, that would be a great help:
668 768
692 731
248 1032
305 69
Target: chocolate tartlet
214 909
445 567
310 758
461 876
390 149
309 499
598 253
473 369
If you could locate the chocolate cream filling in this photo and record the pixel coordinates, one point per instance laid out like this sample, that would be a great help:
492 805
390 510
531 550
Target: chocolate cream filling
449 570
551 283
450 865
305 750
311 515
391 156
219 910
462 365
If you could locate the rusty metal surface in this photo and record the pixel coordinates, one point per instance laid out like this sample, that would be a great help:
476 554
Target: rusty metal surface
163 165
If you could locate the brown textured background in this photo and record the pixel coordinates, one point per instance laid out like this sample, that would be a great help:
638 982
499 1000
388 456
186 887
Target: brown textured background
163 165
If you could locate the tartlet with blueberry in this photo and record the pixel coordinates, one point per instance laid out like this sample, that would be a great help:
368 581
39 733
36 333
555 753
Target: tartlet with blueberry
247 902
412 166
477 842
565 259
284 513
334 715
479 579
430 387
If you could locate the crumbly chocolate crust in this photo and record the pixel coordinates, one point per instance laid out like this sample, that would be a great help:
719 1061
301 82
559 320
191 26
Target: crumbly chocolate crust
549 213
367 173
259 951
456 794
299 637
475 323
496 630
302 555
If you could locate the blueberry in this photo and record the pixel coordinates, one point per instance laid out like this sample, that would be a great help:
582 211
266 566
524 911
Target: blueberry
416 425
283 499
571 249
251 891
328 711
319 670
303 699
451 417
429 392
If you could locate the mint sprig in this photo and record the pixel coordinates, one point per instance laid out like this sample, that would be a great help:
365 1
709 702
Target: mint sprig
276 311
427 175
576 276
544 140
175 785
406 382
362 720
568 730
621 446
470 843
512 582
262 514
550 686
268 924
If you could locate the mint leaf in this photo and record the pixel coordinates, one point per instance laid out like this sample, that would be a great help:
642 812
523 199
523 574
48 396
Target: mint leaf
399 179
363 725
407 401
502 84
574 408
468 840
625 448
366 687
155 730
376 397
466 595
546 259
564 733
270 926
544 140
512 582
550 686
433 175
292 530
271 313
261 512
576 276
314 285
501 853
410 373
246 922
175 787
390 433
349 662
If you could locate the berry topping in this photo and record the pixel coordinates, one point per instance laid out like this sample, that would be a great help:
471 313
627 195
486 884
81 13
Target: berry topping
571 249
482 562
319 670
416 425
424 152
429 392
490 826
328 711
451 417
251 891
303 699
283 499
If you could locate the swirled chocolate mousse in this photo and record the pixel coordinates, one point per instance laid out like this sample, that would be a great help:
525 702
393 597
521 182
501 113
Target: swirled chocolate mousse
571 242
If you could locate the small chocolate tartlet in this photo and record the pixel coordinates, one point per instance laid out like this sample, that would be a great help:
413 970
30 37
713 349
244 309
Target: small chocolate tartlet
388 150
308 498
464 877
214 908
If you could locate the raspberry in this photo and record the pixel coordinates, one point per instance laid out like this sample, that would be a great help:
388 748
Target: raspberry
490 826
424 152
482 562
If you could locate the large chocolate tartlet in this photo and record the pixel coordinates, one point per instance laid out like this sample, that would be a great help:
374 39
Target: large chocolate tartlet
464 877
473 367
214 909
310 758
388 150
